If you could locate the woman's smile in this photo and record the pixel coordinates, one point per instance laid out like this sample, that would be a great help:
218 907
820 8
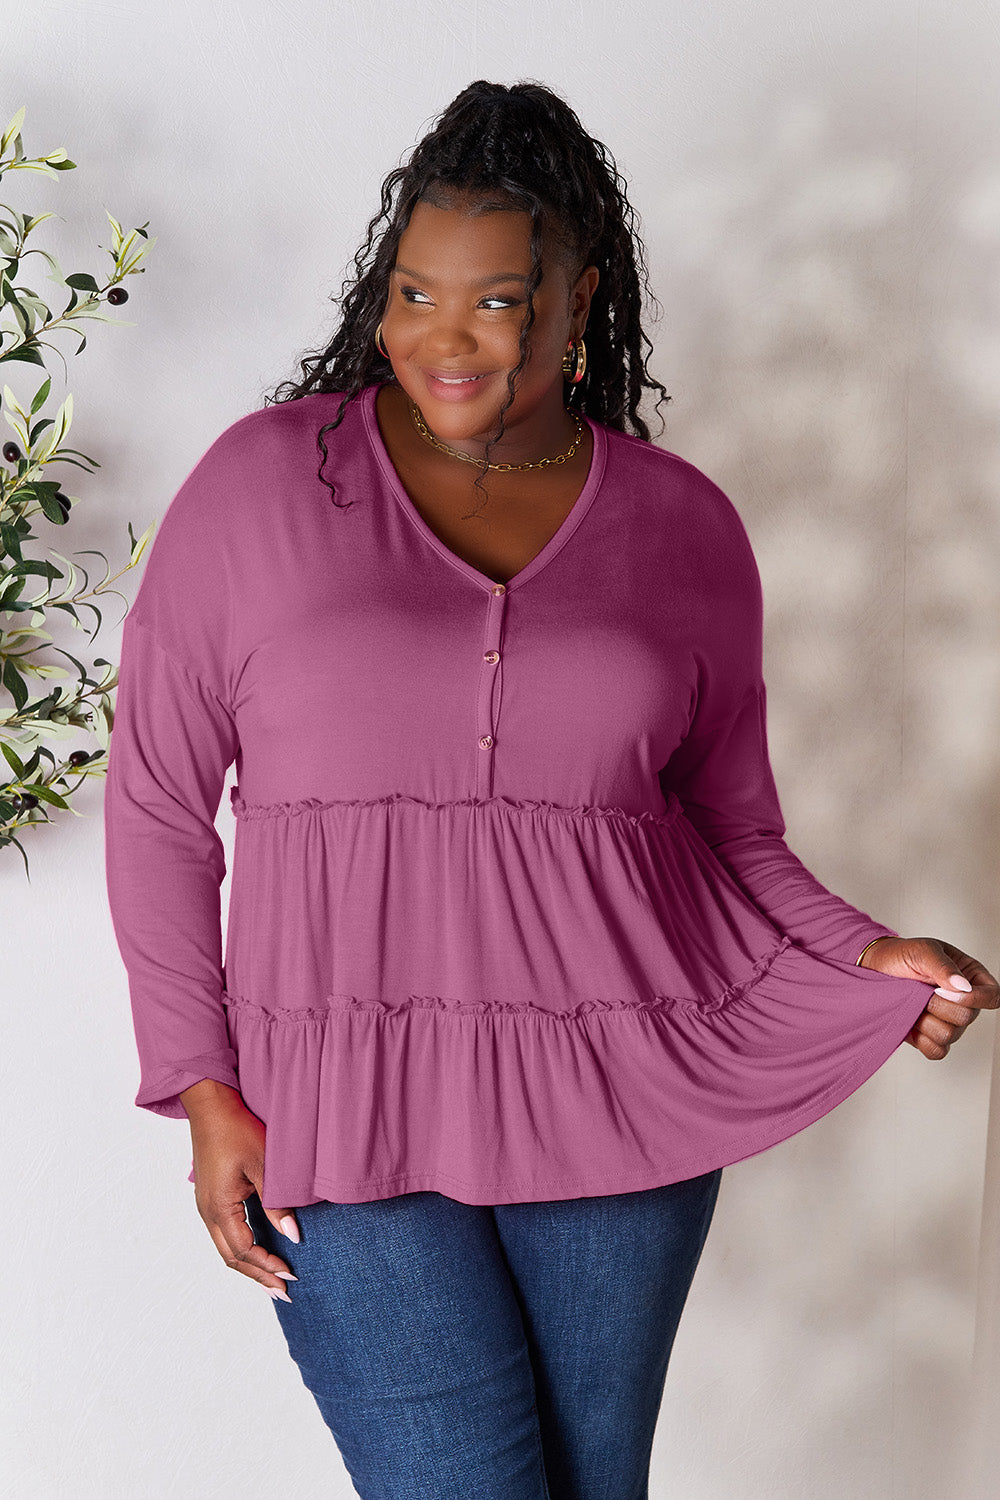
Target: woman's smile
454 387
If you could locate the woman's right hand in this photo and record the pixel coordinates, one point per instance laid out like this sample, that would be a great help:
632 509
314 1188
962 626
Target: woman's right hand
228 1146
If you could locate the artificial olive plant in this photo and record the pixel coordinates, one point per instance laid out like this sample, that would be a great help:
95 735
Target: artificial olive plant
39 772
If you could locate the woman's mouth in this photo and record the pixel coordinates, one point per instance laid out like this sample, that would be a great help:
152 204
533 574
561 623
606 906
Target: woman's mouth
454 387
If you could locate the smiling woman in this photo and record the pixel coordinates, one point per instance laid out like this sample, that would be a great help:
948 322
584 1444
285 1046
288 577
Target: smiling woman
454 343
517 959
453 347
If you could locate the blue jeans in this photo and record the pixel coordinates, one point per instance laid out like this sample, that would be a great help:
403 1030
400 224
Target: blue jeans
512 1352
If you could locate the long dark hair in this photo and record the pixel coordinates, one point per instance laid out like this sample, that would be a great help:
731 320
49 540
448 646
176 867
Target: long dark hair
517 147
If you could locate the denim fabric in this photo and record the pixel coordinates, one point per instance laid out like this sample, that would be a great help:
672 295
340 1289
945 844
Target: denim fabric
508 1352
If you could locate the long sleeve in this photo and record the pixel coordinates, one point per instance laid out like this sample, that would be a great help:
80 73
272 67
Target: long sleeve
469 948
721 772
173 739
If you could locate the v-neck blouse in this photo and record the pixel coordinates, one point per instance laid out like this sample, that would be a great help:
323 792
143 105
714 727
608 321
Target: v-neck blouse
559 538
511 914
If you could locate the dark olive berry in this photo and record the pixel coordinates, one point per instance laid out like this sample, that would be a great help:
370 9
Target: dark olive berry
79 757
117 295
11 452
28 799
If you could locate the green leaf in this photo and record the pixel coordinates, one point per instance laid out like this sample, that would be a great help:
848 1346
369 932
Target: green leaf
88 310
93 461
57 275
32 300
26 353
10 540
41 396
83 281
47 795
15 685
53 510
11 590
78 664
18 845
64 460
29 225
64 166
139 544
13 129
13 758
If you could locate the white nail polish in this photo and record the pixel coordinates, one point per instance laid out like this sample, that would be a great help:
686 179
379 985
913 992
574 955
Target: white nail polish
289 1228
959 982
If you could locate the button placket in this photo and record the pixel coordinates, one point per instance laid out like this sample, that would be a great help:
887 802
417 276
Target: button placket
490 683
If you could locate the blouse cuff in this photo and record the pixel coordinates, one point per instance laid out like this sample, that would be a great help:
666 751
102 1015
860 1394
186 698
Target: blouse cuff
161 1093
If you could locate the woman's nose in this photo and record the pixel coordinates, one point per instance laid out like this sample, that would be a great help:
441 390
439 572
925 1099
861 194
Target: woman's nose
449 336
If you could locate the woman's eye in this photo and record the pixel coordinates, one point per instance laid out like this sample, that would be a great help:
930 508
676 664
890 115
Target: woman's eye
493 304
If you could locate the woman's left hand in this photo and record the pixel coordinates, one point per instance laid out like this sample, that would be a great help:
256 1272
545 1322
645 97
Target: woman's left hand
951 1008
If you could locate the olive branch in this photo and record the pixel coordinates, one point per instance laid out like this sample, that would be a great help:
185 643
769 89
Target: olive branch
40 778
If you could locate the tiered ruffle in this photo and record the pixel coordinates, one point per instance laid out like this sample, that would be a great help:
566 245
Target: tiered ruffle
508 1001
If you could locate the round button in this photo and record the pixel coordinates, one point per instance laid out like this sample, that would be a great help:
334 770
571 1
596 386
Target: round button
499 588
486 741
492 656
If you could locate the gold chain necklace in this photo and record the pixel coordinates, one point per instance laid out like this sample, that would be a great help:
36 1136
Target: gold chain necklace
540 463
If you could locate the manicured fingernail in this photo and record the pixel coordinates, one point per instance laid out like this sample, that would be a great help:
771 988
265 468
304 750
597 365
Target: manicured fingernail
959 982
286 1275
277 1293
289 1228
946 994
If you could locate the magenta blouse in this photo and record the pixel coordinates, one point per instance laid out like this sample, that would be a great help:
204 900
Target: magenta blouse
511 914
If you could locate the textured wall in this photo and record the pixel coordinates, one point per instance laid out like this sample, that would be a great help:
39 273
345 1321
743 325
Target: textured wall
820 197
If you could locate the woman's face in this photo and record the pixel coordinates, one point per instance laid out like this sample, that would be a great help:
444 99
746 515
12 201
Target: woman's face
457 298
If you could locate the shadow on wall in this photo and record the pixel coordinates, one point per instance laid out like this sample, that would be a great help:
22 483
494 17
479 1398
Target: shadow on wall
831 338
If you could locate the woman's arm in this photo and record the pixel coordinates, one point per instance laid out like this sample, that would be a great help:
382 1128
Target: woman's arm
722 775
171 745
721 771
173 740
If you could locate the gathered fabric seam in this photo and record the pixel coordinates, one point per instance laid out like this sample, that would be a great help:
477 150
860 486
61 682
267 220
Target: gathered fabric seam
253 810
339 1003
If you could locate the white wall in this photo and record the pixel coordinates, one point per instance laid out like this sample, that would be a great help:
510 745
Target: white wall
820 195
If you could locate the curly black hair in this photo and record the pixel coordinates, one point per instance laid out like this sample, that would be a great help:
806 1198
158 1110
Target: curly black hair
519 147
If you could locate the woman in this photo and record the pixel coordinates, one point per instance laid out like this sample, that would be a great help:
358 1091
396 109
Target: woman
517 958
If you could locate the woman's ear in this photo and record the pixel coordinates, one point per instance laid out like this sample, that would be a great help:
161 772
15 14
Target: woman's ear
580 297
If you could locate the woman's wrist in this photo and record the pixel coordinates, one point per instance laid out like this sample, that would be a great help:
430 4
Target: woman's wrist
208 1096
880 939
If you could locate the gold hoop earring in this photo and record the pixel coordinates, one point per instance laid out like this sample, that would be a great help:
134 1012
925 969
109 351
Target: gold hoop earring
574 363
378 341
